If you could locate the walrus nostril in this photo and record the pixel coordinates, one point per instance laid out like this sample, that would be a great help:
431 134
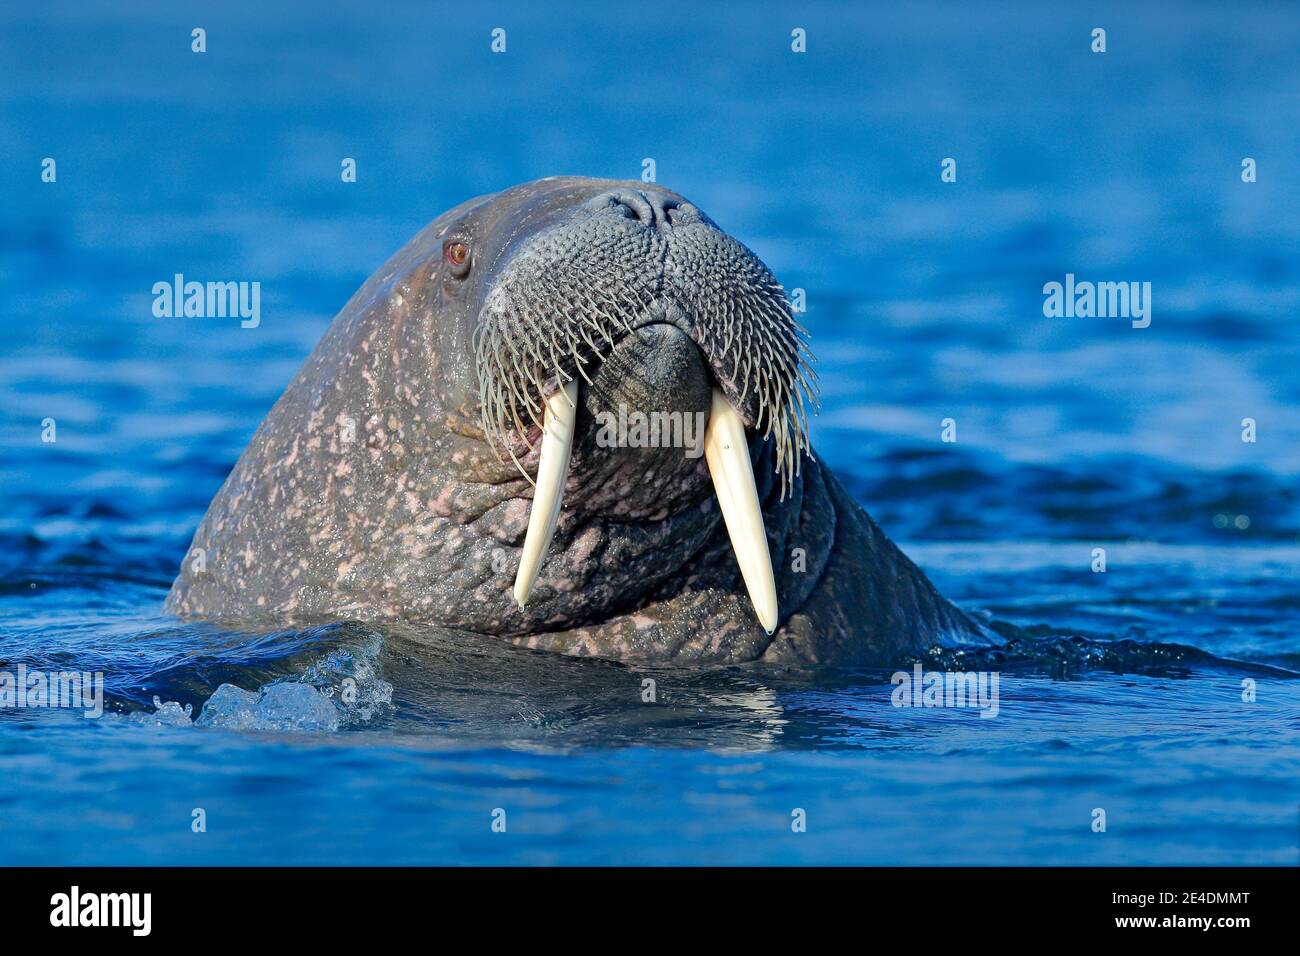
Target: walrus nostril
630 203
646 207
680 213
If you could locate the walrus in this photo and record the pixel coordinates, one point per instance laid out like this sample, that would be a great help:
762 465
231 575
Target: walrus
445 456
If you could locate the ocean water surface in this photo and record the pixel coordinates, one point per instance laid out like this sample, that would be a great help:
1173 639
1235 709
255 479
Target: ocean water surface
1165 691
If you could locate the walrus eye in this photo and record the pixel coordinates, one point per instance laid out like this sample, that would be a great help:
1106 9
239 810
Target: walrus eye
457 255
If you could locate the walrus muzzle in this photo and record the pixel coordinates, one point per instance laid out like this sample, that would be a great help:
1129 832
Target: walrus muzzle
566 300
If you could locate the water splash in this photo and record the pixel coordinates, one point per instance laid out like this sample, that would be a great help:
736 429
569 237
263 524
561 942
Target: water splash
168 714
286 706
353 682
344 689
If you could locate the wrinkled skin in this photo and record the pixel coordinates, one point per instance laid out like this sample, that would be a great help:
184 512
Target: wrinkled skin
372 492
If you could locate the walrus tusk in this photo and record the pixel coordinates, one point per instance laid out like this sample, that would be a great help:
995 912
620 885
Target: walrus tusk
552 471
727 453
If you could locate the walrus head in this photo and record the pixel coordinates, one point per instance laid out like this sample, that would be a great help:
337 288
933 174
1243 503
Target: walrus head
572 414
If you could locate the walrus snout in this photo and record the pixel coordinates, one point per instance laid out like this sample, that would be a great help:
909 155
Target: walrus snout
571 296
616 260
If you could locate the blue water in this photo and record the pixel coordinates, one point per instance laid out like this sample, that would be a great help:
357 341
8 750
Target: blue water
1121 691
